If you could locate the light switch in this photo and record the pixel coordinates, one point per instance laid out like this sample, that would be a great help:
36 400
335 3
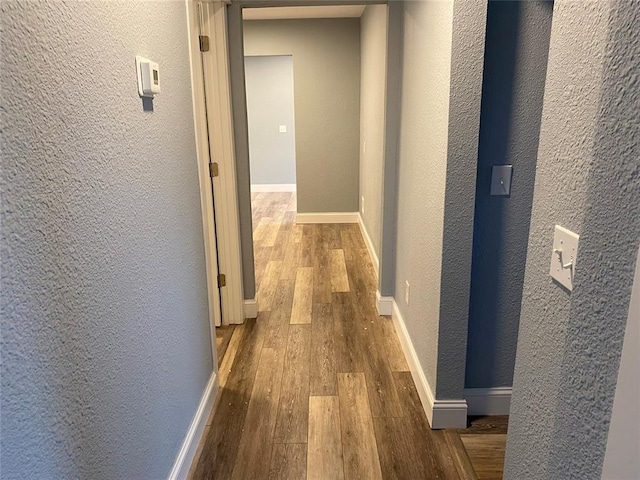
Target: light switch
282 129
564 256
501 179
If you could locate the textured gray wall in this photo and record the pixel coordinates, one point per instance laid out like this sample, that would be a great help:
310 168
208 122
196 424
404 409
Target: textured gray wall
373 65
588 180
269 84
467 65
326 60
623 442
443 49
422 159
105 336
517 48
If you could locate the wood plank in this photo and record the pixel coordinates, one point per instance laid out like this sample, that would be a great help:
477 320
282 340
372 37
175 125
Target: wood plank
289 461
260 231
486 453
303 296
283 237
221 444
404 452
460 456
223 337
338 271
261 257
350 340
278 331
291 260
254 452
436 455
395 355
306 246
268 285
270 232
352 240
359 445
224 368
321 275
293 410
444 455
323 379
383 396
324 444
297 233
334 238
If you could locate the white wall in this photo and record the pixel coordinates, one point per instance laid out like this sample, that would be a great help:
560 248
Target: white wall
272 154
373 63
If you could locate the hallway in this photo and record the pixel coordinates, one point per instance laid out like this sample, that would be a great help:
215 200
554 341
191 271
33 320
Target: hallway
317 386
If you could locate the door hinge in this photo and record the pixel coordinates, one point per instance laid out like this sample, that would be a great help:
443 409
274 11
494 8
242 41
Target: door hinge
204 43
222 280
213 169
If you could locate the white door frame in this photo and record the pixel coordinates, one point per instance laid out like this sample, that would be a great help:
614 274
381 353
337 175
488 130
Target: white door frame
213 117
202 155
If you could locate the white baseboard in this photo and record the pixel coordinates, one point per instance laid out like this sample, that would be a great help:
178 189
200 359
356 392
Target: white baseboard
191 441
369 244
384 304
333 217
488 401
274 187
440 413
251 308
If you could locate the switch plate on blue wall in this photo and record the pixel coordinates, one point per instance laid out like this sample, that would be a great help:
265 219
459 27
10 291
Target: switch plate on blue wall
501 180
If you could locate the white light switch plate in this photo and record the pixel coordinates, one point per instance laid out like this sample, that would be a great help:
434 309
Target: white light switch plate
564 256
282 129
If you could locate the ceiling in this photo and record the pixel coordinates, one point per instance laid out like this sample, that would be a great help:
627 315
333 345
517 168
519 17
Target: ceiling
276 13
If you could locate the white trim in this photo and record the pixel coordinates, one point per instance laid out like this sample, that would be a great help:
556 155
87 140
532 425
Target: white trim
440 413
369 244
251 308
384 304
202 156
488 401
192 439
333 217
273 187
221 144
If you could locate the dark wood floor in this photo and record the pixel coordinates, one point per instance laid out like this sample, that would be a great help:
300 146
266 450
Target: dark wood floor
223 338
485 441
317 386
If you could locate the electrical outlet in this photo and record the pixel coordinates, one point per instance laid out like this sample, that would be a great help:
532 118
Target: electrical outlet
362 204
406 292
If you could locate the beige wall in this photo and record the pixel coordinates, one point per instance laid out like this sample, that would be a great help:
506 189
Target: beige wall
326 66
373 45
